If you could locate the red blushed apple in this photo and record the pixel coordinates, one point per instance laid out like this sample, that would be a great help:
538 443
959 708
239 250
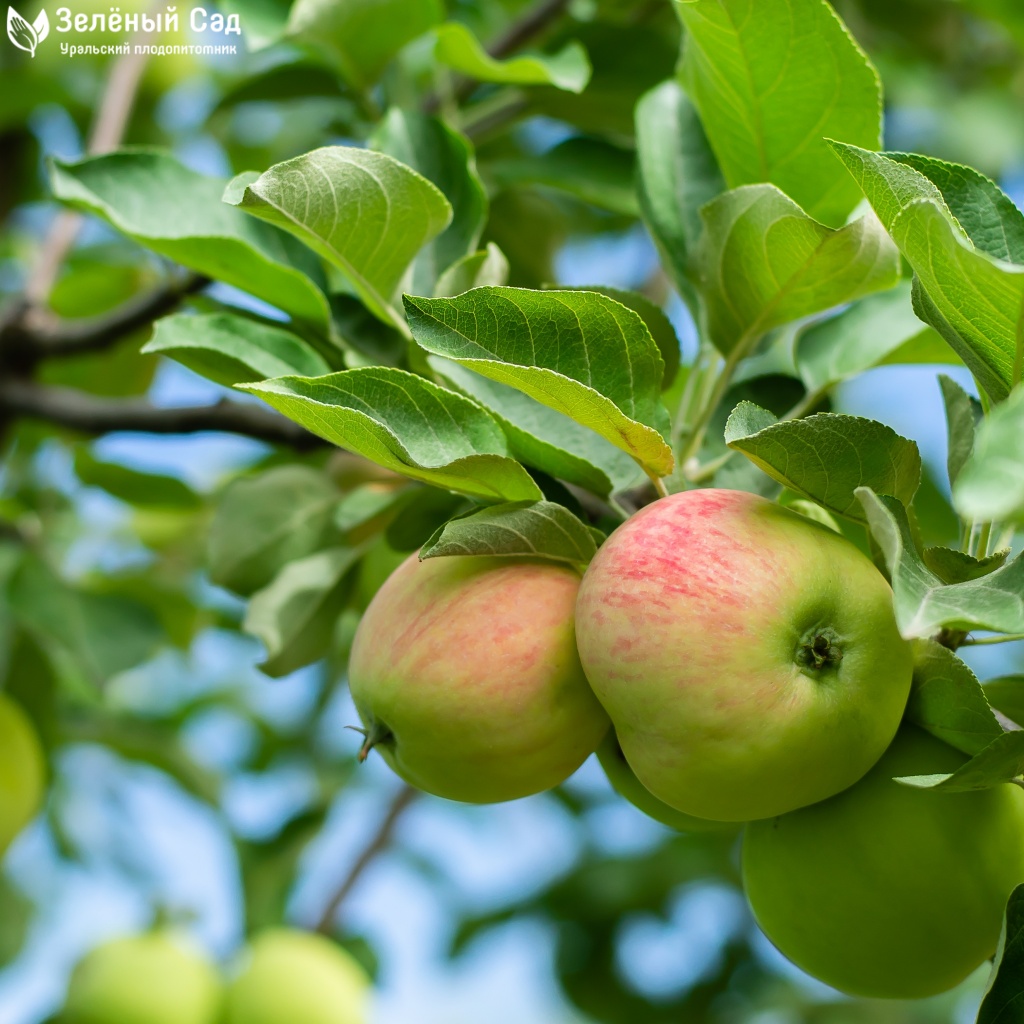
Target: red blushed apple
465 673
747 656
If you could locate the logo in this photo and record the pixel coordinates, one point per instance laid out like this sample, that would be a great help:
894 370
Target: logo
25 36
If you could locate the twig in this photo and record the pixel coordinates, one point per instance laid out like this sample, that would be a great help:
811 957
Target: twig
378 843
40 336
1004 638
76 410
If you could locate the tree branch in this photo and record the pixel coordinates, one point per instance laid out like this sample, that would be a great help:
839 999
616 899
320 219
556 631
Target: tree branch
378 843
79 411
40 336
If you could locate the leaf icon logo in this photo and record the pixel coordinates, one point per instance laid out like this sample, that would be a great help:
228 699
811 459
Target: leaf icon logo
25 36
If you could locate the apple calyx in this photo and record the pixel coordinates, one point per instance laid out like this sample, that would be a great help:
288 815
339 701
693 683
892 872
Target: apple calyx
819 649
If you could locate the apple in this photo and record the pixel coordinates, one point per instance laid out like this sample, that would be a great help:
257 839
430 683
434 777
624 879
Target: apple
156 978
22 771
748 657
629 787
465 674
887 890
294 977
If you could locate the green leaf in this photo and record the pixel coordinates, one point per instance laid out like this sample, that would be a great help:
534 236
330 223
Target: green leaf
579 353
262 523
963 414
295 615
596 171
444 157
364 212
973 300
365 509
408 425
148 490
677 175
230 349
771 80
1006 695
878 329
544 438
16 912
986 214
101 633
997 763
954 566
478 270
538 529
764 263
828 456
990 486
923 603
948 701
359 37
458 48
139 192
662 331
1004 995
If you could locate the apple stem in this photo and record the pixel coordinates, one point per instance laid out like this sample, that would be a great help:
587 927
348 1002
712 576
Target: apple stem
377 733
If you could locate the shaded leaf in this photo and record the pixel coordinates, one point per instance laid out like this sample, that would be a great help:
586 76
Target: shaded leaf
828 456
990 486
954 566
947 700
408 425
677 175
1006 695
963 414
538 529
444 157
764 263
262 523
1003 1002
230 349
923 603
132 485
458 48
579 353
995 764
138 191
359 37
295 614
477 270
544 438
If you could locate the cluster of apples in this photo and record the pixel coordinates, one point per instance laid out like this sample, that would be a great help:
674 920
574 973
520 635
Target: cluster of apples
732 661
284 977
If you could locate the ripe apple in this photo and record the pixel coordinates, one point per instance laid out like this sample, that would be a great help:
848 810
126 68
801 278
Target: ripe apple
629 787
295 977
747 656
22 771
144 979
465 673
886 890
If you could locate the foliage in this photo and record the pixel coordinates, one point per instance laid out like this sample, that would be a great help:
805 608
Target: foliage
374 297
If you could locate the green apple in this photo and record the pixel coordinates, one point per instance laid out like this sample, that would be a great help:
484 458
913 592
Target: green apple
747 656
294 977
144 979
465 673
886 890
22 771
628 786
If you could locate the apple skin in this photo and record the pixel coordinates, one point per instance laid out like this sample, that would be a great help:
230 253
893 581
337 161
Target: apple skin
465 672
22 771
629 787
747 656
295 977
886 890
144 979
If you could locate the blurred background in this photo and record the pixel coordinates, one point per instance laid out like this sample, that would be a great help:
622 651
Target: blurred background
191 788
